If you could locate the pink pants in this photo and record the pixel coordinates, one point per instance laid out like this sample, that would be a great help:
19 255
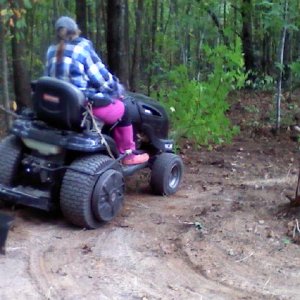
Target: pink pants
111 113
123 135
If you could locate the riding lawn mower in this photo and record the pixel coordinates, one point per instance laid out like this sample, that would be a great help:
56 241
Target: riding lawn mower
57 156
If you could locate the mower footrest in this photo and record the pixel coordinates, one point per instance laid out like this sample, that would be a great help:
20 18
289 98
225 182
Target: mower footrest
27 196
131 169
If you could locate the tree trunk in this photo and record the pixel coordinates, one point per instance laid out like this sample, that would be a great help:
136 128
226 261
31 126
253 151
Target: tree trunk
266 61
117 39
91 17
161 24
30 21
287 60
153 44
135 71
216 21
81 16
101 22
154 25
55 10
280 73
224 14
187 52
279 81
20 72
247 38
4 73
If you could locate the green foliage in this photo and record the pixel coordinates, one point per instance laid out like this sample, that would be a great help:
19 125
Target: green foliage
288 112
173 51
198 109
13 16
295 69
262 82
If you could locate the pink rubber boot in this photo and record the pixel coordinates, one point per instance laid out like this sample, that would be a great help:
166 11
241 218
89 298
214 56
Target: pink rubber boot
123 137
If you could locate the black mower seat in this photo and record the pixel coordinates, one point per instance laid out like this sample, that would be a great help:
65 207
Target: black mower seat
58 103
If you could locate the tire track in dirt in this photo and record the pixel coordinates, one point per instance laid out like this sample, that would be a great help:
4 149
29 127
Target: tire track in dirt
67 267
41 277
137 264
182 261
50 260
235 249
230 290
46 284
132 257
196 275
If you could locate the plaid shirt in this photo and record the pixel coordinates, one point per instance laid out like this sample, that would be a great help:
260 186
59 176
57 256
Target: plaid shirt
82 67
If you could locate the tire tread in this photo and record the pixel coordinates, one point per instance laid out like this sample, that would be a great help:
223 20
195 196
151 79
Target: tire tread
77 189
10 154
160 170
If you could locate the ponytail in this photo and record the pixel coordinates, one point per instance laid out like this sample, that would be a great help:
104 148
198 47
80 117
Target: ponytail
64 35
61 37
60 51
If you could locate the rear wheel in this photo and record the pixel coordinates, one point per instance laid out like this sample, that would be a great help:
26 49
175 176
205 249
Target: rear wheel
166 175
88 201
10 158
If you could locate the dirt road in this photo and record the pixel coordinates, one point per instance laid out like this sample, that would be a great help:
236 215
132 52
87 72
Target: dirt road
224 235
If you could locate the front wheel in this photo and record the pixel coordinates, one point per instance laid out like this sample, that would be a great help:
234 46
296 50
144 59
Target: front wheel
166 175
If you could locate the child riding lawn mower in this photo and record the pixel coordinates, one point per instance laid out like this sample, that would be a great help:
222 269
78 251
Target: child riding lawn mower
59 156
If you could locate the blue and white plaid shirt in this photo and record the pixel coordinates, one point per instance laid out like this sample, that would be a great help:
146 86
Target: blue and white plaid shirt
81 66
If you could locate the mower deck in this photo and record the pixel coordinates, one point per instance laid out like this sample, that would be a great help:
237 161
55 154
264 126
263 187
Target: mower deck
41 199
27 196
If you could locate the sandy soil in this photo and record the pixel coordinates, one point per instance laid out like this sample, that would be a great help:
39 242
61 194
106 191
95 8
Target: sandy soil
229 233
